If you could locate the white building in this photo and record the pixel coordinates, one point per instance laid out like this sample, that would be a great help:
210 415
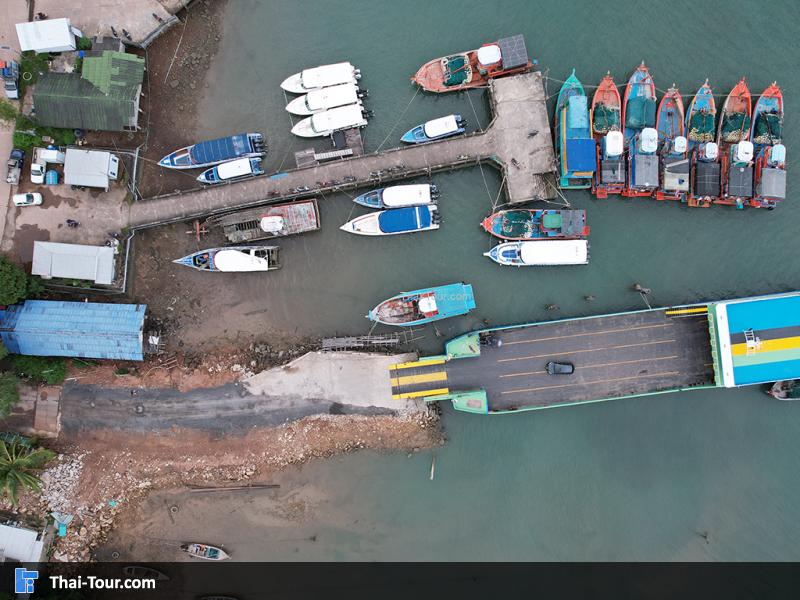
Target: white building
51 35
73 261
21 544
90 168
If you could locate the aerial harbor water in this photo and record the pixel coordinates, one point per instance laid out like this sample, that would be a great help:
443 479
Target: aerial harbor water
704 475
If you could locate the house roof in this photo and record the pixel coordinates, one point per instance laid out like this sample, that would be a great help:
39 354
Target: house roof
50 35
77 329
73 261
103 97
21 544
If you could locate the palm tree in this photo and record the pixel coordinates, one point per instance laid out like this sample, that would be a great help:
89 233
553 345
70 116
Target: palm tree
19 467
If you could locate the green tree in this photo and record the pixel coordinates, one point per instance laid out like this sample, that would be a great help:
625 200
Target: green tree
9 394
13 282
20 467
3 351
40 369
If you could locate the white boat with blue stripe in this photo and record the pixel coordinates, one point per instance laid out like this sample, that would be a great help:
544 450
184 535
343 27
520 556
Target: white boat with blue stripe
399 196
233 259
541 253
213 152
395 221
233 170
435 129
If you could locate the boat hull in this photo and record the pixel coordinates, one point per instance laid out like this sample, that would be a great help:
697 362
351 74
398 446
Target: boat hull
641 89
396 221
287 219
233 259
549 253
609 175
770 101
536 224
409 308
419 135
213 152
399 196
575 147
702 109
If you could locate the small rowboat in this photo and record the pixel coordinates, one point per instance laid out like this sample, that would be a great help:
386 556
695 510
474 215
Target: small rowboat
399 196
204 551
426 305
639 103
395 221
435 129
701 116
768 118
540 254
536 224
735 118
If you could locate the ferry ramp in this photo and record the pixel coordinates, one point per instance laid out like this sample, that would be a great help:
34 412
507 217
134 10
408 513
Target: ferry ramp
419 379
517 141
614 356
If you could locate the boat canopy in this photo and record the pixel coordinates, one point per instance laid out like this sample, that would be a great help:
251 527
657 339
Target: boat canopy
214 151
578 113
580 155
234 168
331 97
406 195
343 117
489 55
327 75
404 219
513 51
271 224
614 143
744 152
648 140
555 252
427 305
680 144
236 261
441 126
778 154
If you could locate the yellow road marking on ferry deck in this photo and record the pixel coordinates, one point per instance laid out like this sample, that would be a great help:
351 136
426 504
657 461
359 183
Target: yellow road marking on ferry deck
776 345
552 387
423 378
687 311
612 364
421 394
571 335
582 351
416 363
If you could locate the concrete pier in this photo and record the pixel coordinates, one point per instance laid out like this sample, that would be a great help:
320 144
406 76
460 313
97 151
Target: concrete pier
518 141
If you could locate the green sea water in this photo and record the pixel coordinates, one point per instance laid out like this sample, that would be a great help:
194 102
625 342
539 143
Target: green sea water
633 479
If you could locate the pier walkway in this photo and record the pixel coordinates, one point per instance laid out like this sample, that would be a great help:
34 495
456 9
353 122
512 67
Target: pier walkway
517 141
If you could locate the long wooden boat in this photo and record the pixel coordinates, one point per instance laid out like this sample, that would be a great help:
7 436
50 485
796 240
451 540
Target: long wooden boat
609 176
705 169
425 305
701 117
233 259
639 103
537 224
767 122
213 152
736 150
395 221
399 196
540 254
474 68
735 119
204 551
575 147
675 164
266 222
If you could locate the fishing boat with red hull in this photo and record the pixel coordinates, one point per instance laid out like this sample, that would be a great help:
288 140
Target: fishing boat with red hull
673 148
770 163
609 176
641 137
735 148
474 68
704 173
537 224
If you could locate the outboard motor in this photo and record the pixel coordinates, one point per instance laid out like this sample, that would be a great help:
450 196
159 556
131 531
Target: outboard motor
357 73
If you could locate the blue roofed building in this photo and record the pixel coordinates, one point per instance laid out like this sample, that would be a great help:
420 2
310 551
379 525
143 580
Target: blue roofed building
74 329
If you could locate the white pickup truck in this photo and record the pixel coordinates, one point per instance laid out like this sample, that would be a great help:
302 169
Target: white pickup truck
41 157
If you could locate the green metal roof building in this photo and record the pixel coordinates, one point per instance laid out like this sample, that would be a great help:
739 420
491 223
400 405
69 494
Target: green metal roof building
104 97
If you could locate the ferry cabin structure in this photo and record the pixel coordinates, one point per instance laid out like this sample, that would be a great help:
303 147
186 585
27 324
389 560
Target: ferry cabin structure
727 344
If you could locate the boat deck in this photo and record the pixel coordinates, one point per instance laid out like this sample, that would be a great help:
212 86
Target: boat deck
517 141
614 356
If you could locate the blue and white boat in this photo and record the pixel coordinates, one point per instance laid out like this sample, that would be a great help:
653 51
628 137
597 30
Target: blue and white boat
541 253
213 152
425 305
399 196
575 146
435 129
395 221
233 170
233 259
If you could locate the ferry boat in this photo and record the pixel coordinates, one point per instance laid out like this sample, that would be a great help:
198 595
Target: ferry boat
609 176
435 129
399 196
330 121
536 224
639 103
770 177
767 125
233 170
674 147
395 221
425 305
213 152
575 147
700 117
320 77
540 253
233 259
474 68
204 551
265 222
324 99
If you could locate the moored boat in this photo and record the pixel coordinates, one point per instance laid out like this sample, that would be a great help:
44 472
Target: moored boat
265 222
435 129
785 390
639 103
395 221
204 551
324 99
330 121
540 253
233 170
767 122
321 77
770 177
575 147
474 68
643 164
425 305
674 164
609 176
704 179
399 196
736 179
213 152
735 116
233 259
536 224
701 116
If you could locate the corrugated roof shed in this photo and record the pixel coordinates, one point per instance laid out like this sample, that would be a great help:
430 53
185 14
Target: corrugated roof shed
104 97
73 261
22 544
79 329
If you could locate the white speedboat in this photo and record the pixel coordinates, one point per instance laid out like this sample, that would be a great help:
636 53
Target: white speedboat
541 253
233 170
233 259
327 122
320 77
324 99
395 221
399 196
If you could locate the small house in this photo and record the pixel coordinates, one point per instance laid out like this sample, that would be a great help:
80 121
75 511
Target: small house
50 35
73 261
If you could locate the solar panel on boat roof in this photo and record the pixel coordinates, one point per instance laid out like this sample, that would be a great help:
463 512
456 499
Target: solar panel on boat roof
513 51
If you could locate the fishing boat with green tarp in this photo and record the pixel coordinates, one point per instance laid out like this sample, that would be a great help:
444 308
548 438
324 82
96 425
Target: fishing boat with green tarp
768 118
536 224
700 119
734 121
639 103
575 146
610 170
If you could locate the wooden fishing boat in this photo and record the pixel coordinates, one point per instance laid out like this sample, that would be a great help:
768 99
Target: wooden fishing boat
233 259
770 177
785 390
425 305
643 163
639 103
233 170
435 129
399 196
265 222
213 152
735 117
675 164
537 224
474 68
735 149
540 253
321 77
575 147
609 176
204 551
701 117
395 221
705 170
767 122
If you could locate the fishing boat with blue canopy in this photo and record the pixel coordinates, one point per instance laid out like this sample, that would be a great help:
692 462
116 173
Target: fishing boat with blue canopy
639 103
673 147
213 152
425 305
575 146
233 170
233 259
537 224
399 196
395 221
435 129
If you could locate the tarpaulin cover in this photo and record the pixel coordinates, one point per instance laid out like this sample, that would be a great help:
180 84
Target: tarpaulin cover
640 112
222 149
580 155
404 219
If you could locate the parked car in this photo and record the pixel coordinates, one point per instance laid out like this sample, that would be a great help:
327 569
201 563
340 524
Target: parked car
560 368
37 172
32 199
14 166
